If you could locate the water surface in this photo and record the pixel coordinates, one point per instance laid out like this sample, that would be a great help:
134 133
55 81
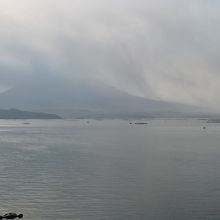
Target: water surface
168 169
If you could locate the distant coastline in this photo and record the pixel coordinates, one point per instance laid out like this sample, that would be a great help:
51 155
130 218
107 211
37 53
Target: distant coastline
19 114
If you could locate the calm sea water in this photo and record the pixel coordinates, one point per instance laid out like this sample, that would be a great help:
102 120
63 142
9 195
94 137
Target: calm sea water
110 170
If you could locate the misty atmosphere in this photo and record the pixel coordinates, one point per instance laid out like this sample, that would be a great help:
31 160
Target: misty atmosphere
109 109
54 52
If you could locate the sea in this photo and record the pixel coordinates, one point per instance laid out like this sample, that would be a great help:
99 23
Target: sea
168 169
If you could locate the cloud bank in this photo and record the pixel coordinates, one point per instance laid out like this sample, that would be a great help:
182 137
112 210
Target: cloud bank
166 50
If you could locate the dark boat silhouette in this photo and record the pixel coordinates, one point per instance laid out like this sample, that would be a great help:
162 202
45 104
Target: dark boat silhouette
141 123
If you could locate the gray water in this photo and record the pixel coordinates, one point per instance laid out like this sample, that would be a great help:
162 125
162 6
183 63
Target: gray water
168 169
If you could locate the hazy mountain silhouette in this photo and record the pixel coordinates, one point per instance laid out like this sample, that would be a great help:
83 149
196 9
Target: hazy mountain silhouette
56 94
18 114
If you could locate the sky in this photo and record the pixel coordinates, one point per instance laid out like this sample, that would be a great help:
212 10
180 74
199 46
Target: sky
164 50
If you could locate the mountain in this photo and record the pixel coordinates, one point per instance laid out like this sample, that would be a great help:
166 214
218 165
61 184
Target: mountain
18 114
82 97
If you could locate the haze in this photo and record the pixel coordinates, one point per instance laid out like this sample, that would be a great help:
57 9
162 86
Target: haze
156 49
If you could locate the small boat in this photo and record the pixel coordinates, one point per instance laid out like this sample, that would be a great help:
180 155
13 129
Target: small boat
26 123
141 123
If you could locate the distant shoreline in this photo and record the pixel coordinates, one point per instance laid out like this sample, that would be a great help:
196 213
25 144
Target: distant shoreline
19 114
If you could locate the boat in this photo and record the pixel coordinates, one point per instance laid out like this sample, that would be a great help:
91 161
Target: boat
26 123
141 123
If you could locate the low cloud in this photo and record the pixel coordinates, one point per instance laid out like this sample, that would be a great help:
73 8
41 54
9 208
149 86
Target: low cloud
166 50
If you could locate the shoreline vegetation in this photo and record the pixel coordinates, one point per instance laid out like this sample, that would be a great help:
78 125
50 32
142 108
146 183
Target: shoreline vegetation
14 113
19 114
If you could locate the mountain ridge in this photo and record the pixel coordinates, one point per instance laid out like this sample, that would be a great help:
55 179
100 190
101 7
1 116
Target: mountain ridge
63 96
14 113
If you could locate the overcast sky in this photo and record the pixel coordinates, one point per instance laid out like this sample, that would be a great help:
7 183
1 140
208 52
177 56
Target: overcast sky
160 49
